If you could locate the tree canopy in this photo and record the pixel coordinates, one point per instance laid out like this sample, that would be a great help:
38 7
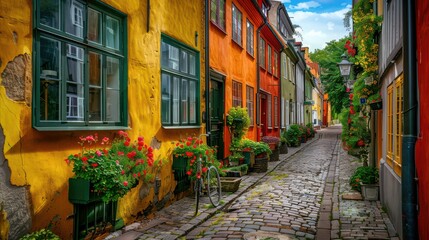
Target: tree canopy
332 81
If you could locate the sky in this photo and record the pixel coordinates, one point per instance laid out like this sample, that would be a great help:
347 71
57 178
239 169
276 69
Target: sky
321 21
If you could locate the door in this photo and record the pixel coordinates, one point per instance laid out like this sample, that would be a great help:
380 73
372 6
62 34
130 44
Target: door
216 117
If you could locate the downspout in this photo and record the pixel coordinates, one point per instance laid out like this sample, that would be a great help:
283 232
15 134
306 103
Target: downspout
258 76
207 66
409 185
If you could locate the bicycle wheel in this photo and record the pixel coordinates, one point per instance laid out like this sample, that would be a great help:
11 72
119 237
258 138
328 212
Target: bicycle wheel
214 189
197 189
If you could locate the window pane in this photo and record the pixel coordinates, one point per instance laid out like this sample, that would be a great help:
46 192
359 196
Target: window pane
184 101
176 99
50 13
95 75
75 76
165 98
192 64
112 72
49 58
94 26
95 110
173 57
112 33
213 7
222 13
74 18
192 102
112 105
49 100
183 61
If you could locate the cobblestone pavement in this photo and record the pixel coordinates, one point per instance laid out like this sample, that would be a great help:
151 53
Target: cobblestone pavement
298 198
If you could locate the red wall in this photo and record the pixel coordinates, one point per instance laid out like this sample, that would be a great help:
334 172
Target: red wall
422 154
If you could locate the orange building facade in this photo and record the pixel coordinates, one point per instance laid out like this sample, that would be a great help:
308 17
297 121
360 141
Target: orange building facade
233 61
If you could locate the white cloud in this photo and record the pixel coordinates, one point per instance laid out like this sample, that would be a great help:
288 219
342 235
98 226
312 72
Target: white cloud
285 1
305 5
319 28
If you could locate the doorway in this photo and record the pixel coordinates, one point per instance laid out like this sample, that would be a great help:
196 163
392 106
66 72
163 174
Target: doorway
216 108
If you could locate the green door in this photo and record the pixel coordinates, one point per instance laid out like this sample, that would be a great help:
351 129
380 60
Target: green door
216 116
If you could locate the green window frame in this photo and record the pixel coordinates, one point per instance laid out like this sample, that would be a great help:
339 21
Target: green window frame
79 66
180 84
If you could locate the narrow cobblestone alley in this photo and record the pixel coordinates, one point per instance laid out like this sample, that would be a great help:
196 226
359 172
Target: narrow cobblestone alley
299 198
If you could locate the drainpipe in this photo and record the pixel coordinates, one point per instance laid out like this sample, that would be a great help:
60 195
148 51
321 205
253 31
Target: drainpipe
258 74
207 66
409 185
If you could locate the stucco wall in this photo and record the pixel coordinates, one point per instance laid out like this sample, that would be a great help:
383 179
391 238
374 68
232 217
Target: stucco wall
233 61
35 158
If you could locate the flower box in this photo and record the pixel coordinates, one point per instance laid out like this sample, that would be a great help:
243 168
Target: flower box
81 192
180 163
283 149
274 156
370 191
230 184
261 163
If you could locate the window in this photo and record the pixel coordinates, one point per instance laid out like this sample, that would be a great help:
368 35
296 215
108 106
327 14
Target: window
292 72
80 59
269 112
270 65
236 25
217 13
179 84
262 53
237 94
395 103
399 103
276 112
249 103
264 9
275 65
249 38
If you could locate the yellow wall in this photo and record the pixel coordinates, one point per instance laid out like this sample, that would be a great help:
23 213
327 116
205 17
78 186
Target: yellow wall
36 159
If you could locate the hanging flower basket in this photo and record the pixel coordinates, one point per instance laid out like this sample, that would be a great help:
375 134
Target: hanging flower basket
376 105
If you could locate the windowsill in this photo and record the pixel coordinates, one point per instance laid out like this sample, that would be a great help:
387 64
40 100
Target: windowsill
80 128
181 127
250 55
218 27
237 44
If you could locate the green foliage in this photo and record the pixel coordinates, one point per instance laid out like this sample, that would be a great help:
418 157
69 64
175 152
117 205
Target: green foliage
238 120
364 175
293 135
113 170
191 149
239 168
311 128
256 147
43 234
236 156
330 73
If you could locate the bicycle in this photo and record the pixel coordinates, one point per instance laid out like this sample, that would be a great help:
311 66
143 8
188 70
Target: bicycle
213 185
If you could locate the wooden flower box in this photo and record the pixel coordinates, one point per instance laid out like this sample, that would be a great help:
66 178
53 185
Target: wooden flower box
230 184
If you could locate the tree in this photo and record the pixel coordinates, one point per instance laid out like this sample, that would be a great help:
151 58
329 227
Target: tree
330 73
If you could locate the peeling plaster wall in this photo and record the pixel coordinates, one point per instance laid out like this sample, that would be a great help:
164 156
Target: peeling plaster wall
32 163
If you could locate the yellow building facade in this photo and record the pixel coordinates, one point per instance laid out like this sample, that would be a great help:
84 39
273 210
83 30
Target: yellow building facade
34 148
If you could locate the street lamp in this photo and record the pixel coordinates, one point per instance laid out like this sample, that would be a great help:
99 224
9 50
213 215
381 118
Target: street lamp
345 67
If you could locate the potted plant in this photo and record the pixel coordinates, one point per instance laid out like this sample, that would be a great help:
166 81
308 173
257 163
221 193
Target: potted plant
108 171
238 121
293 135
273 142
187 152
365 180
375 101
283 144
